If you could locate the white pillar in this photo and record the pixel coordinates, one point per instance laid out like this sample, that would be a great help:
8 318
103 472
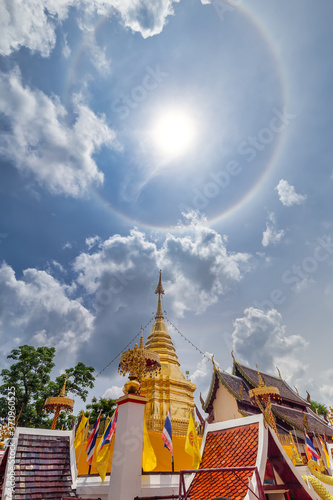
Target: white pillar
125 478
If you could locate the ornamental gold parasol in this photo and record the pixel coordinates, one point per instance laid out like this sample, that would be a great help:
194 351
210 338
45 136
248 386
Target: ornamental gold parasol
138 362
59 403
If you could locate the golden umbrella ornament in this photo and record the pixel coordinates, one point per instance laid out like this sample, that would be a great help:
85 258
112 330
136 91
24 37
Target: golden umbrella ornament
138 362
59 403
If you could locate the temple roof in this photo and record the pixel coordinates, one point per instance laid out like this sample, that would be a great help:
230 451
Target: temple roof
245 443
235 447
42 465
292 410
251 376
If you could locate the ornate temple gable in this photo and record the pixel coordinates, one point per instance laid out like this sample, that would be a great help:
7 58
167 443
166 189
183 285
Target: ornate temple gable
234 385
288 395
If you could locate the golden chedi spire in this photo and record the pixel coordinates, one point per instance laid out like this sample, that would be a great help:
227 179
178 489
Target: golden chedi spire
159 339
168 388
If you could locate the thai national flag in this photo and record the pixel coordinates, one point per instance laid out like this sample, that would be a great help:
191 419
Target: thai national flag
167 433
311 449
111 428
91 443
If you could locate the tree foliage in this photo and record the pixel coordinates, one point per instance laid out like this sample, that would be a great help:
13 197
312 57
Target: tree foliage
320 409
103 405
30 378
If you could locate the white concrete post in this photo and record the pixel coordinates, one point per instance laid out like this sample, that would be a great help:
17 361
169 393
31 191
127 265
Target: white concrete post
125 478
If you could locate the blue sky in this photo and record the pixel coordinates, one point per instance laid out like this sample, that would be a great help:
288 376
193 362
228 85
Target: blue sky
192 137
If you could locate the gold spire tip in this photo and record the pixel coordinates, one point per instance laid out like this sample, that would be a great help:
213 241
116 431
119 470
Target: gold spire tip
141 338
159 288
63 390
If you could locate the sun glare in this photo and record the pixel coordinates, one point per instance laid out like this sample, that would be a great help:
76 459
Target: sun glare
173 132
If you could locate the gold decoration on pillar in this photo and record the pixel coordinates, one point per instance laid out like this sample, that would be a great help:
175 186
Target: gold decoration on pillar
138 362
330 416
59 403
169 387
305 421
263 396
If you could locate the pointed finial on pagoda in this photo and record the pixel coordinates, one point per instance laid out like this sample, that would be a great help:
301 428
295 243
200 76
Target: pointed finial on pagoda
141 339
233 357
279 373
63 390
160 291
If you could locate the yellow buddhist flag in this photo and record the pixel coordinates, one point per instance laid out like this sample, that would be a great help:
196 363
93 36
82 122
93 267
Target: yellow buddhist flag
192 444
79 437
149 460
328 463
104 450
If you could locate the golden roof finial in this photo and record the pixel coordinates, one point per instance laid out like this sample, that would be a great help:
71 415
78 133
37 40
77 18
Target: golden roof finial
214 365
141 339
279 373
260 378
160 291
296 390
63 390
233 357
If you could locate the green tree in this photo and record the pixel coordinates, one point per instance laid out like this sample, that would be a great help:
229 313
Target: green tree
29 376
320 409
103 405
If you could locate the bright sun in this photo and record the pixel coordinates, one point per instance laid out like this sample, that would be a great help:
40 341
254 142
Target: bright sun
173 132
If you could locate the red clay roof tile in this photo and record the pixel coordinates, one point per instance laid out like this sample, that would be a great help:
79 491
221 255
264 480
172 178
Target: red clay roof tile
235 447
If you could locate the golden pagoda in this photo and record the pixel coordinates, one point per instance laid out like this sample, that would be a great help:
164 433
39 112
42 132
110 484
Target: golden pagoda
168 387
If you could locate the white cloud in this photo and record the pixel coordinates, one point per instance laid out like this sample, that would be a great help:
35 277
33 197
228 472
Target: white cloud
42 144
33 23
197 267
288 195
38 310
113 392
260 338
271 236
66 51
92 241
203 368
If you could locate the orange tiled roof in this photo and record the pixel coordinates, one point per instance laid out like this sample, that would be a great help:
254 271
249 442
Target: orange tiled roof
235 447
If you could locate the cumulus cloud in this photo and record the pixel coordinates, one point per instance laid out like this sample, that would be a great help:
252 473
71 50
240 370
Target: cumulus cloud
119 278
288 195
38 310
42 144
113 392
203 368
33 23
260 338
271 235
197 267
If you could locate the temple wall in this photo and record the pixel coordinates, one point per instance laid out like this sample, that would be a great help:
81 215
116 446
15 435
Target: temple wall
225 405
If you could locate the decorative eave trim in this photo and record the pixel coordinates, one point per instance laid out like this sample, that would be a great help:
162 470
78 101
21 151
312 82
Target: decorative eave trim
211 394
245 375
287 420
